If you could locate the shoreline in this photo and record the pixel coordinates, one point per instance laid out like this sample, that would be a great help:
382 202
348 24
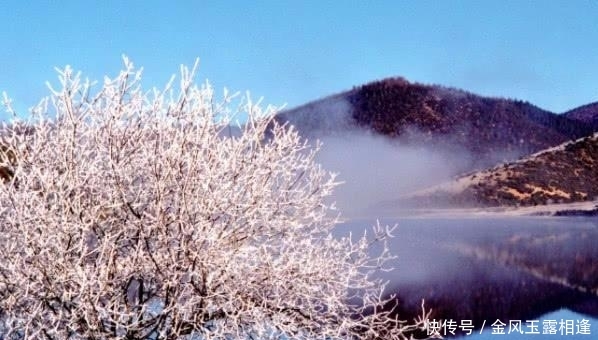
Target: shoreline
578 209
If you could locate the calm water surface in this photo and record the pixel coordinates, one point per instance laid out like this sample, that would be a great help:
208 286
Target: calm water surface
488 269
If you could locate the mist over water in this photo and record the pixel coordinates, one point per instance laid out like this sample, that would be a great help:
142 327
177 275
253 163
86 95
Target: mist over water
375 169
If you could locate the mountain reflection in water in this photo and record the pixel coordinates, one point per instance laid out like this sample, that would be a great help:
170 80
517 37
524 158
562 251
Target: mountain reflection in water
484 269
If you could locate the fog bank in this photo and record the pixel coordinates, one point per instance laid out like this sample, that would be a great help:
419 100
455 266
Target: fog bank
376 169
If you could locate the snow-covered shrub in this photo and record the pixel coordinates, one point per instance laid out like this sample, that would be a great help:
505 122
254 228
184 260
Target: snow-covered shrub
139 215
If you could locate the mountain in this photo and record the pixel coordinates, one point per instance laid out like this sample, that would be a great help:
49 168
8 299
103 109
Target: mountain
587 114
436 115
563 174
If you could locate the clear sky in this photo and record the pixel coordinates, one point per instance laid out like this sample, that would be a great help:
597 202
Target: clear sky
293 52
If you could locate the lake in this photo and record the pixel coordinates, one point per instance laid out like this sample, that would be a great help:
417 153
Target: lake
480 270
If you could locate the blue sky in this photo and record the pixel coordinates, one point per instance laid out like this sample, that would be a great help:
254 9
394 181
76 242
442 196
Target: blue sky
292 52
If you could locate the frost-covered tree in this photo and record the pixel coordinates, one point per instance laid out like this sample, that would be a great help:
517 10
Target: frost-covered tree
127 214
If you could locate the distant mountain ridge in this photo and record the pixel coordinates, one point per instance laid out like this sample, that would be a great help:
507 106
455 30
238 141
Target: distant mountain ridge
586 113
563 166
436 115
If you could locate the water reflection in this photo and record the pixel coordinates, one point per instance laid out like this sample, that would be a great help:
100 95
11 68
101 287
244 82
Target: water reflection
494 268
